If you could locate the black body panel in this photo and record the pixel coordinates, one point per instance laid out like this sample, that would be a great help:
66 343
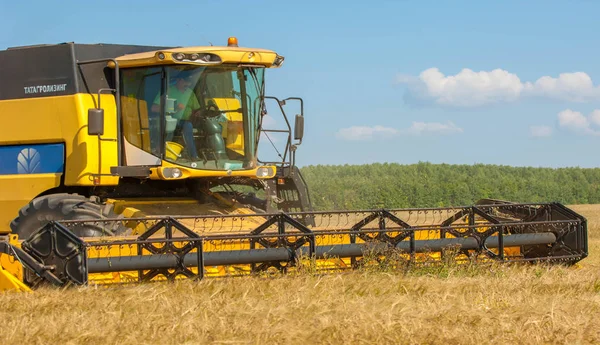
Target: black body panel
52 70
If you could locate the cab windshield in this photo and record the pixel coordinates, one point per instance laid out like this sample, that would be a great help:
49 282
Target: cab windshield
195 116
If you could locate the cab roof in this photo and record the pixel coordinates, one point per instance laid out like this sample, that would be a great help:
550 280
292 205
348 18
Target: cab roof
202 55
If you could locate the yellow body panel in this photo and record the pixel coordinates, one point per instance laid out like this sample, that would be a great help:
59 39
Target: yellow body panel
8 282
18 190
11 271
63 119
91 155
35 120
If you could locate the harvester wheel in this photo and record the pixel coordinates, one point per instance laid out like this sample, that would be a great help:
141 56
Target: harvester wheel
44 209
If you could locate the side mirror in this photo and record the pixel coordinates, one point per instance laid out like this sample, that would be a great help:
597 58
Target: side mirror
299 127
95 121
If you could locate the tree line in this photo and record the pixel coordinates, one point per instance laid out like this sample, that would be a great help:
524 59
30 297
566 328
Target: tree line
392 185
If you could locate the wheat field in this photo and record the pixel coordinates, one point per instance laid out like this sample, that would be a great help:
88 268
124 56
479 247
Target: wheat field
473 305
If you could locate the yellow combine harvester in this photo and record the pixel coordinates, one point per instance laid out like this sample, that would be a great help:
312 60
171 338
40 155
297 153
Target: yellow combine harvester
124 163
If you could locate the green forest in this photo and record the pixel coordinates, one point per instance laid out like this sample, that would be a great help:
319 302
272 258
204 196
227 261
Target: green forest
391 185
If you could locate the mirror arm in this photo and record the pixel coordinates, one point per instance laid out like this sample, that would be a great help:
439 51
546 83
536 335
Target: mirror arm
100 91
97 120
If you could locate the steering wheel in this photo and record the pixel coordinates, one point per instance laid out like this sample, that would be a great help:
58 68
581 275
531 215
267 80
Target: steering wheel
210 112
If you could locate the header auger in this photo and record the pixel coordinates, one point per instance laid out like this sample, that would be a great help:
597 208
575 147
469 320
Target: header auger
132 164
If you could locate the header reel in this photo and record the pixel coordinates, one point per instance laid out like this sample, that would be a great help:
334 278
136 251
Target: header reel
169 248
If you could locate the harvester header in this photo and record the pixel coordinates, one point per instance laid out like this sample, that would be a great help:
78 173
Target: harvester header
169 248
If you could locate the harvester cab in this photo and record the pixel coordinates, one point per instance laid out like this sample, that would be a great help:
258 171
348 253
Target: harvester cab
195 114
124 163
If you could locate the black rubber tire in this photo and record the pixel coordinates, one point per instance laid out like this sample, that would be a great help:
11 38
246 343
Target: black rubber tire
55 207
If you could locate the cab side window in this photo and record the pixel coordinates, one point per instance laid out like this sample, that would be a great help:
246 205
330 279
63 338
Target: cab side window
141 127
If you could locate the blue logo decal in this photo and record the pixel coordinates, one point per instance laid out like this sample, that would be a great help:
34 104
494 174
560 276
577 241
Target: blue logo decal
27 159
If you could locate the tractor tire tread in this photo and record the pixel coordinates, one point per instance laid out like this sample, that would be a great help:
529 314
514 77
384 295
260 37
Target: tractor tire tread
66 206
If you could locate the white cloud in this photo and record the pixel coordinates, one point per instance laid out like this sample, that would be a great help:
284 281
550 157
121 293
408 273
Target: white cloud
419 128
364 132
268 122
469 88
361 133
579 123
540 131
465 89
572 87
595 117
573 119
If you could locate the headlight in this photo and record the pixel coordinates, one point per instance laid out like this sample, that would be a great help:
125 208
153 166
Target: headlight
264 172
278 62
172 172
204 58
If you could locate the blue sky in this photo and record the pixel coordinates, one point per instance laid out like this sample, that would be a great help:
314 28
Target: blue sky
458 82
